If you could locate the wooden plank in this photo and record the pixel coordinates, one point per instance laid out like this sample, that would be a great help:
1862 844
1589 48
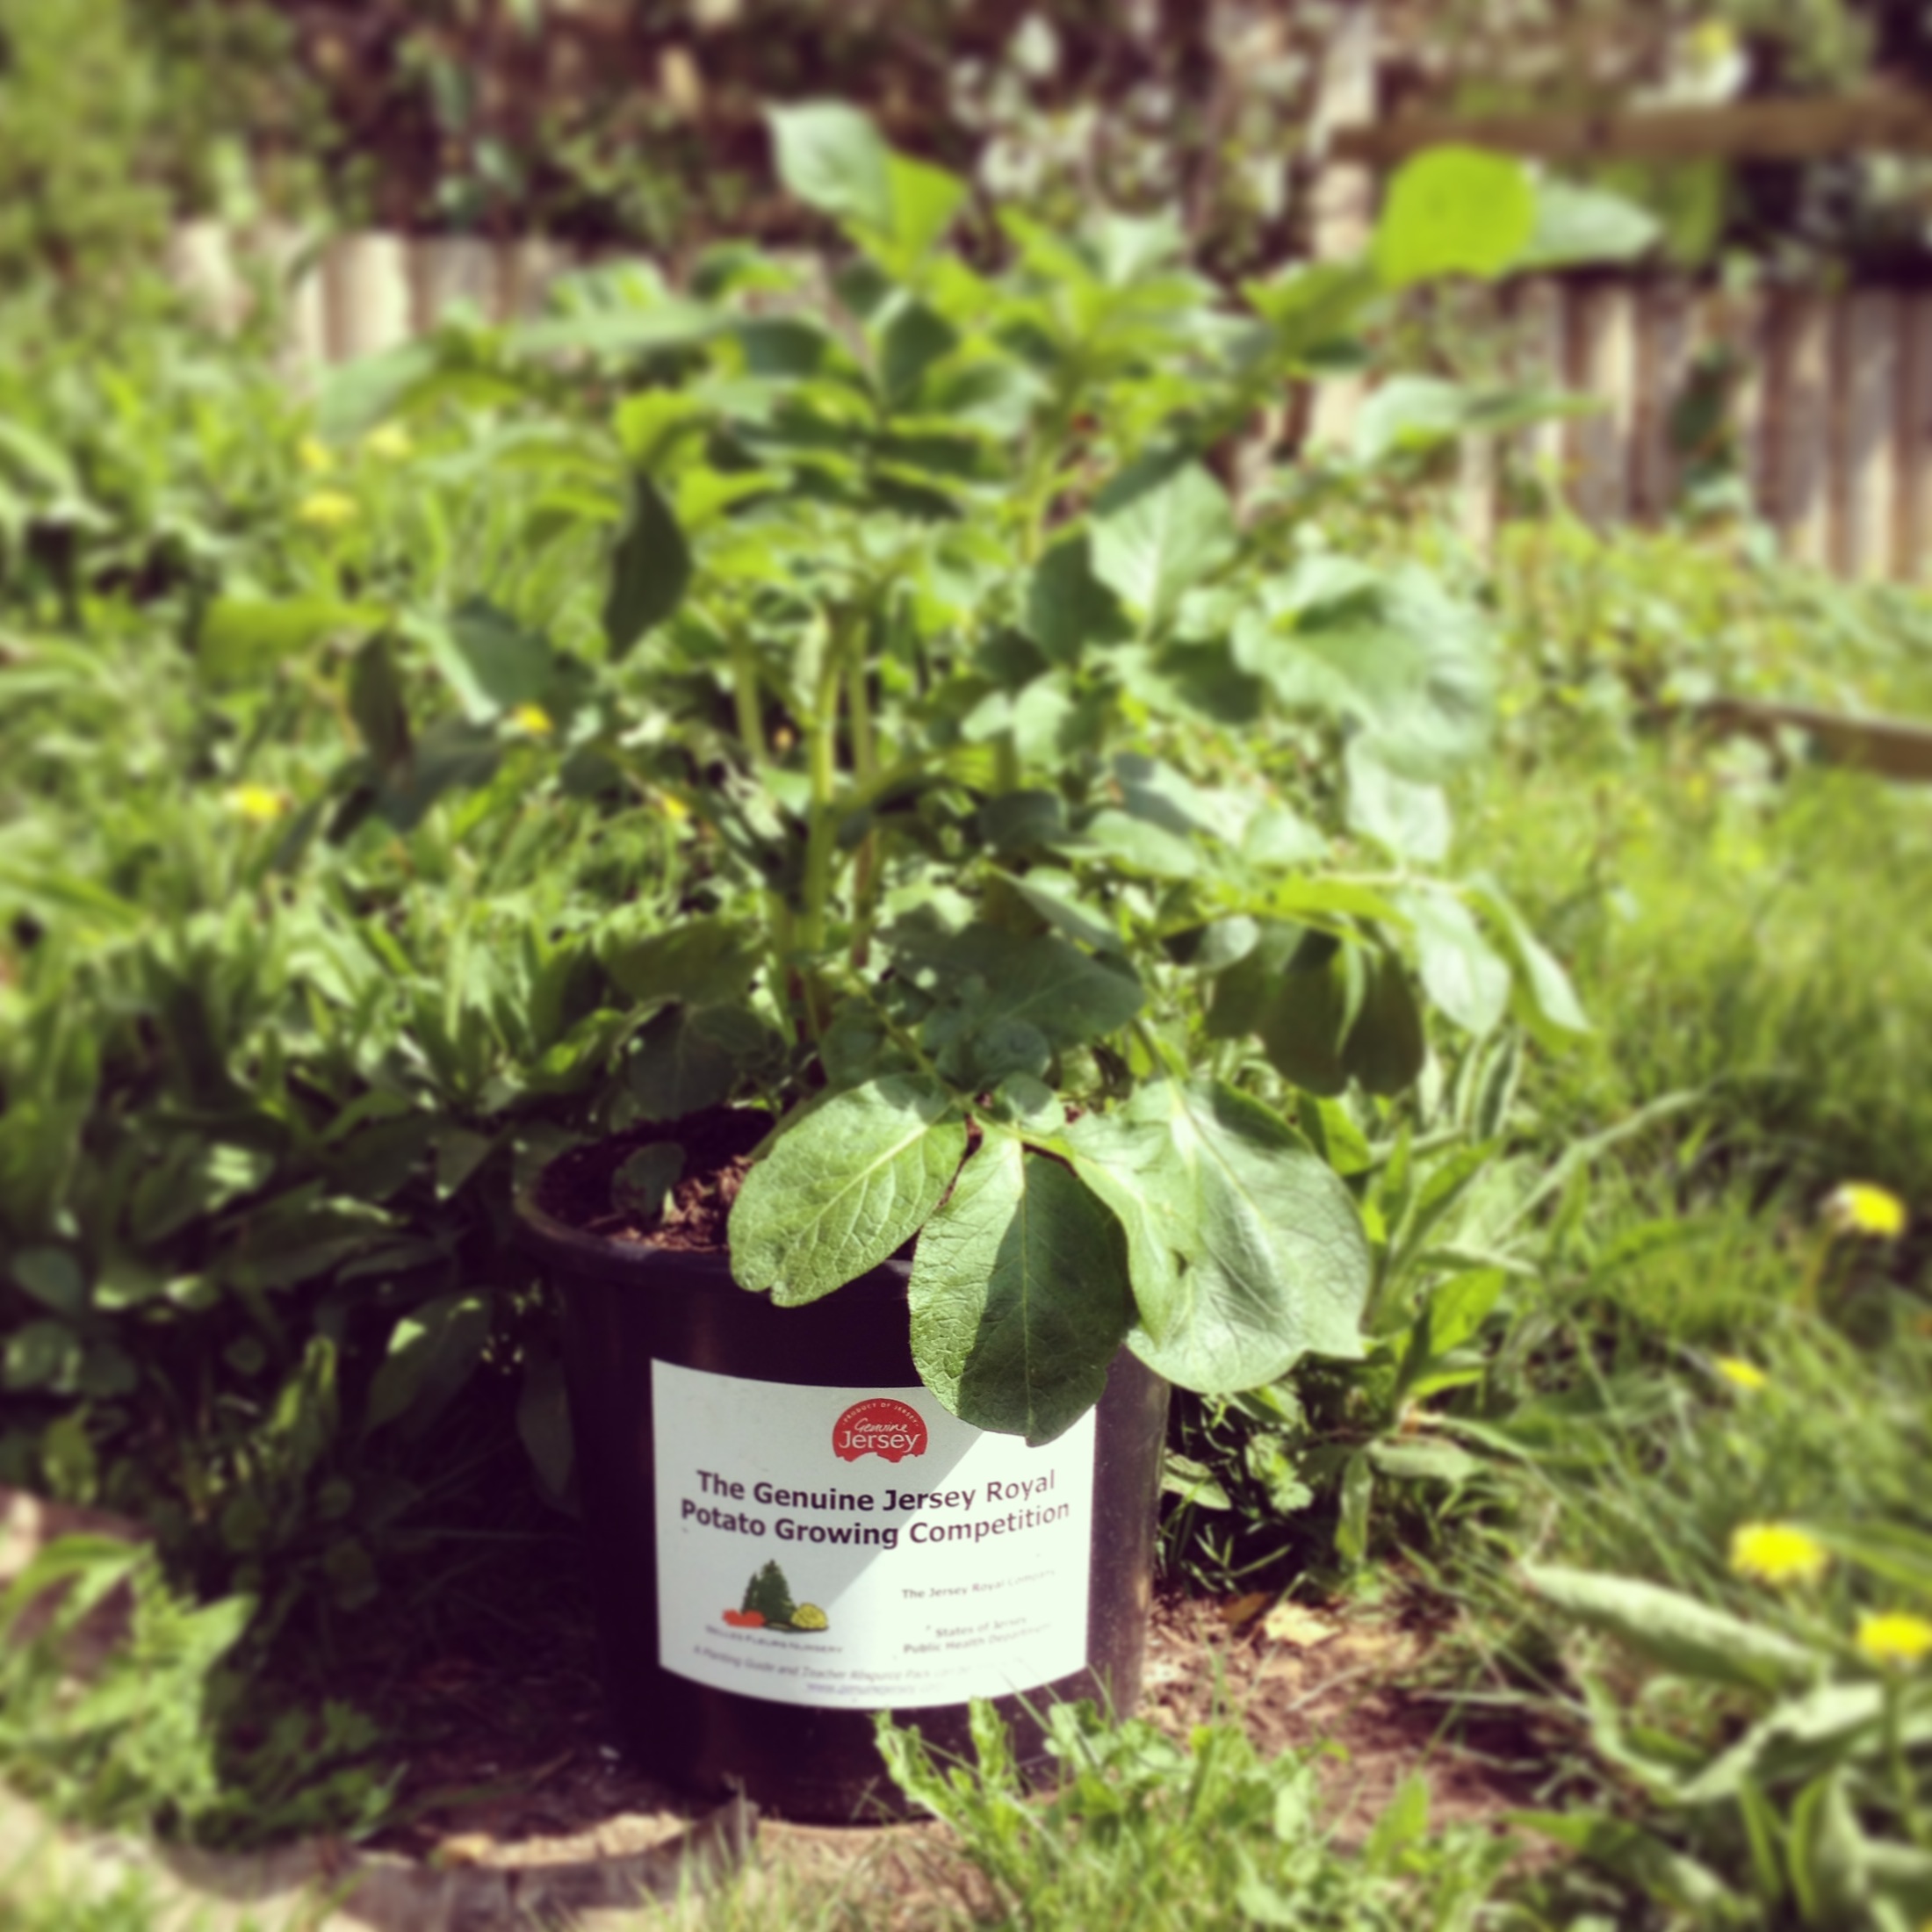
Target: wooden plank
1912 530
1665 336
366 294
1802 411
1740 322
200 262
1865 497
447 271
1888 747
1862 122
1342 201
1540 360
1604 366
526 269
293 257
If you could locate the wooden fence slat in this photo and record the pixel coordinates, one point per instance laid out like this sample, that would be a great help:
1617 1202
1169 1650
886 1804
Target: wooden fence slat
1603 363
1912 527
1538 334
200 262
1863 461
527 268
448 269
1800 408
1831 410
365 278
1666 323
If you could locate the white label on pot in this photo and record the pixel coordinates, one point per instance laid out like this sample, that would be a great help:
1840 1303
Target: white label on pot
859 1548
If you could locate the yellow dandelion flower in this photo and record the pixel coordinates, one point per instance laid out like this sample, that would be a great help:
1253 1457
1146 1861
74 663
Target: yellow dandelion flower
1895 1637
1742 1375
315 457
257 804
326 509
389 442
1862 1208
1776 1554
534 720
673 808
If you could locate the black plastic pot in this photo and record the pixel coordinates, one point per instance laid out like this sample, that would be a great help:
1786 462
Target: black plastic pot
646 1331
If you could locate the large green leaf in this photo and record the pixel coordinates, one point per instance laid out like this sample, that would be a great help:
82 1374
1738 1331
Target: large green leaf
1455 211
376 703
1287 990
1019 1294
1392 651
1462 974
1575 225
831 156
491 663
1068 608
703 962
243 637
844 1186
1245 1250
1162 541
1688 1638
431 1354
690 1057
649 569
1043 982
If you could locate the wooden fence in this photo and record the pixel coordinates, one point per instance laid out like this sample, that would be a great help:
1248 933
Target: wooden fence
1831 410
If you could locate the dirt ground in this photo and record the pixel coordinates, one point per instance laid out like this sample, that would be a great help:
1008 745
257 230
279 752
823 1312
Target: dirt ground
515 1775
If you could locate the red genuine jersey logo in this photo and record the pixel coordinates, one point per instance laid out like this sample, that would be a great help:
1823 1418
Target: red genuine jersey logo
881 1425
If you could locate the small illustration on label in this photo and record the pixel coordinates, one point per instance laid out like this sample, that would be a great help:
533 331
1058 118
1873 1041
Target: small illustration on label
882 1426
767 1605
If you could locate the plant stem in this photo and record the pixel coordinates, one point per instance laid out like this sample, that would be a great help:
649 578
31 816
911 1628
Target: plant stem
751 727
821 832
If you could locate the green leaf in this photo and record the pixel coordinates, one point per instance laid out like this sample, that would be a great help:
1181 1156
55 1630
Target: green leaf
922 202
1163 541
1419 1459
53 1277
1685 1637
639 1186
707 961
246 637
1246 1251
492 663
1411 819
1826 1850
1068 607
691 1057
1455 211
1461 973
1137 845
1899 1554
1289 990
831 156
910 342
844 1186
1635 1856
376 703
43 1355
1068 995
431 1354
1384 1048
1392 651
1575 225
1019 1294
1555 1011
649 569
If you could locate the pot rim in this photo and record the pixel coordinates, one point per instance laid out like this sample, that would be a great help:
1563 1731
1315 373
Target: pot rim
557 1244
